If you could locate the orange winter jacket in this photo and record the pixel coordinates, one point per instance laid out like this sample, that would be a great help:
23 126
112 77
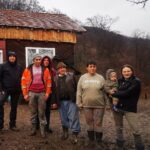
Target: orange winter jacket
27 78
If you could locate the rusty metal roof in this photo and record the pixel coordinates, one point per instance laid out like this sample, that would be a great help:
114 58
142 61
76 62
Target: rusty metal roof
47 21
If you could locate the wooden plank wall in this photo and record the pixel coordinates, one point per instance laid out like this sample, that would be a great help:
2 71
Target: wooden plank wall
37 35
63 50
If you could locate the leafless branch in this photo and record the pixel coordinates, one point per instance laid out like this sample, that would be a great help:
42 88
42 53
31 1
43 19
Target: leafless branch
103 22
139 2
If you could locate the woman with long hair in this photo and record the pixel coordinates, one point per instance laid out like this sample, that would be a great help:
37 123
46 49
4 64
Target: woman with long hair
47 62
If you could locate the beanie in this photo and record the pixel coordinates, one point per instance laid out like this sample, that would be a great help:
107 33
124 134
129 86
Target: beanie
60 65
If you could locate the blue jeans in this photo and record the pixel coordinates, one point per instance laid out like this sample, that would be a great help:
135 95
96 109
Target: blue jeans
69 115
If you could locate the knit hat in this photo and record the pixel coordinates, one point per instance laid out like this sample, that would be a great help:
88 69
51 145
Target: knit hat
36 55
11 53
60 65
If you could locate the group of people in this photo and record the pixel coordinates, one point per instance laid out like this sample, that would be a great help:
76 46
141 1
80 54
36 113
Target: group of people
42 85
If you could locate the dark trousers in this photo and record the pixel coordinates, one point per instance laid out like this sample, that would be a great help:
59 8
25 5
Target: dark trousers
48 111
13 111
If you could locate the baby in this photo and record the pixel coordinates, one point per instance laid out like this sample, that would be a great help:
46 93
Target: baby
111 84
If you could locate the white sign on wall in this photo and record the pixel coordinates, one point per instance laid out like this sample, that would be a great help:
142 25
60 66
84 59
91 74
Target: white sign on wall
31 51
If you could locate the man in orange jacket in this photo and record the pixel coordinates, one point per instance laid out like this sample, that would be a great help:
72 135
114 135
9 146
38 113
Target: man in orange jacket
36 87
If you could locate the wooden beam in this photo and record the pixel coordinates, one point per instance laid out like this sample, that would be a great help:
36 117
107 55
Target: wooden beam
37 35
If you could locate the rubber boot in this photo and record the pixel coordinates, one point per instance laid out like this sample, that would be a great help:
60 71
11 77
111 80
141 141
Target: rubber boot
120 144
138 142
33 130
99 136
91 138
42 128
65 133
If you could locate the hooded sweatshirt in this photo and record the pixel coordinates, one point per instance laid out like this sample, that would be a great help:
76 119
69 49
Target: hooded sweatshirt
10 76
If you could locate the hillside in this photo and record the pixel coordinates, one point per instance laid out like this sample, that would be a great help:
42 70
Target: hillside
112 50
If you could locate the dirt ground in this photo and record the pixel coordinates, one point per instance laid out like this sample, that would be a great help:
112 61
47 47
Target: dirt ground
20 140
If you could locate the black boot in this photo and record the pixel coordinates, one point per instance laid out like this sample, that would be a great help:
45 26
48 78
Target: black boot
65 133
138 142
120 143
99 136
91 138
91 135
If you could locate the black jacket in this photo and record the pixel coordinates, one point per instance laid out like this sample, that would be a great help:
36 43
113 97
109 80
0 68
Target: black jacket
10 77
70 88
128 93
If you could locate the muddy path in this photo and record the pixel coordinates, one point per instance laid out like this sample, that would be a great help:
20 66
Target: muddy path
20 140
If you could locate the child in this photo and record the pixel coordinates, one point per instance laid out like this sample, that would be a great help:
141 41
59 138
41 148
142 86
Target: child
111 85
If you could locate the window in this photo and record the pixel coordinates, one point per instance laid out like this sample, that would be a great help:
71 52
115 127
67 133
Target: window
30 51
1 56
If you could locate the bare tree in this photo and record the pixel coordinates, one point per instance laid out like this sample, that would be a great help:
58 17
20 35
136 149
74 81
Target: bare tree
55 11
139 2
140 34
29 5
103 22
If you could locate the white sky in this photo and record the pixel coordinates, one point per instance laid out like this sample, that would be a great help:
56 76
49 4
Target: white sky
131 17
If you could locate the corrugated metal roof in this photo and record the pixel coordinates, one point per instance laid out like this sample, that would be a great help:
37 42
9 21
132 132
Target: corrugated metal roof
25 19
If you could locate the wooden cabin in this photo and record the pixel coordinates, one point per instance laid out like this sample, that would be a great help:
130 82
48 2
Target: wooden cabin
27 33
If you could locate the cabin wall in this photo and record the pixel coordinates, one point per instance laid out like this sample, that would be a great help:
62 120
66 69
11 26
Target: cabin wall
37 34
63 50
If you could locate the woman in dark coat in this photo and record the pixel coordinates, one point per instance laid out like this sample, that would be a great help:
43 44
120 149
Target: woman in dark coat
129 88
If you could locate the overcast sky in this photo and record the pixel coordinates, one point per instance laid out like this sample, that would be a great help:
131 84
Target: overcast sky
131 17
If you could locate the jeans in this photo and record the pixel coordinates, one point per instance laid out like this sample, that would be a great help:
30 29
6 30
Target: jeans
13 111
69 115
